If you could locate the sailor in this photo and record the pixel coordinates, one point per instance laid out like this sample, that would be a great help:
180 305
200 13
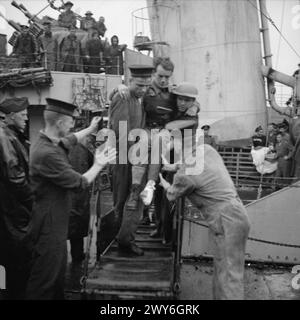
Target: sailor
53 180
284 128
70 53
101 26
48 44
26 48
284 152
212 191
185 97
130 110
208 139
114 57
67 18
16 196
259 139
94 53
88 23
160 107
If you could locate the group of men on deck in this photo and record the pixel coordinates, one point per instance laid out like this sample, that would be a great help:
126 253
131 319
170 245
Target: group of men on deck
38 222
92 55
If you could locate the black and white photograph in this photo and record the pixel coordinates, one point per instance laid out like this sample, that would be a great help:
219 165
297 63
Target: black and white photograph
149 151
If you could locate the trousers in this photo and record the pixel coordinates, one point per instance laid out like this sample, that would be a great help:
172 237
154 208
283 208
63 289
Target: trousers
229 234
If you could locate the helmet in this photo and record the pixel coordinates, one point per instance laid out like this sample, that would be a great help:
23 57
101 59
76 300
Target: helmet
186 89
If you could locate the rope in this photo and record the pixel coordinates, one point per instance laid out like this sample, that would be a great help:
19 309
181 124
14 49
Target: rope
274 25
281 26
250 238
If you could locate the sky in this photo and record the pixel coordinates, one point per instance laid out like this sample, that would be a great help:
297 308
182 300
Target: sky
119 20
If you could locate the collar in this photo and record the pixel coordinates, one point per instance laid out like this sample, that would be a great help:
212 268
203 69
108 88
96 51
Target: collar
157 89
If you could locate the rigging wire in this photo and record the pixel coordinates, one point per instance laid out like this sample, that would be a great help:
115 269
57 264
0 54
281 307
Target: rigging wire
281 27
274 25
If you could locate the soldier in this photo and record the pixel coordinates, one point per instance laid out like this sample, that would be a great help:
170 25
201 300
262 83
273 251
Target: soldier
129 110
53 180
213 193
70 53
114 57
208 139
67 19
94 53
16 197
48 45
284 152
26 48
160 107
88 23
101 26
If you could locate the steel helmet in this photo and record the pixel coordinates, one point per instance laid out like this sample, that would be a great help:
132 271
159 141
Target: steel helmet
186 89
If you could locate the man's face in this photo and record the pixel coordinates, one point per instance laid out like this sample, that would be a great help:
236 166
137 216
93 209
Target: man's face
101 19
161 77
206 132
260 132
139 86
47 28
19 120
68 7
65 124
114 41
281 129
184 103
24 30
88 16
279 138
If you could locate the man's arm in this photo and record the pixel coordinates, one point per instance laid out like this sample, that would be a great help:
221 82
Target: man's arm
13 171
182 185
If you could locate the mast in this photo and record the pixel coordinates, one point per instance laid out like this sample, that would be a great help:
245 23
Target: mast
216 45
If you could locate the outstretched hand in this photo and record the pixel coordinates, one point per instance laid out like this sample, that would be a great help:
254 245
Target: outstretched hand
103 156
94 124
163 182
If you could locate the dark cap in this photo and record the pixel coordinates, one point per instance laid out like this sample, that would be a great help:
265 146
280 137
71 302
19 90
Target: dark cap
89 13
141 71
205 127
14 105
69 3
24 26
60 107
258 128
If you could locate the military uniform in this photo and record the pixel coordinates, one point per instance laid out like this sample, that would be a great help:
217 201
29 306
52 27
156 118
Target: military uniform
213 193
26 48
70 55
15 206
283 149
53 180
88 23
67 19
48 43
114 59
94 49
